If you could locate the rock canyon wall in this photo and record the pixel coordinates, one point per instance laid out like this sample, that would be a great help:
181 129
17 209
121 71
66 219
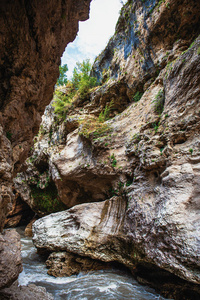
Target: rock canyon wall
130 183
33 37
146 156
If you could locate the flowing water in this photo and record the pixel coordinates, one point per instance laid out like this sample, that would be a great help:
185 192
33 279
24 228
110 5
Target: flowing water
98 285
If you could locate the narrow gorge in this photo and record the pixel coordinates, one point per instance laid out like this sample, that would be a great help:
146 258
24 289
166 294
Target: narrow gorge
112 178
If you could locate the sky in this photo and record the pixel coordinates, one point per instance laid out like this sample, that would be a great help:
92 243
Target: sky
93 34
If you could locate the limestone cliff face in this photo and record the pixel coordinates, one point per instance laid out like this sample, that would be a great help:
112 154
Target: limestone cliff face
146 156
145 35
33 37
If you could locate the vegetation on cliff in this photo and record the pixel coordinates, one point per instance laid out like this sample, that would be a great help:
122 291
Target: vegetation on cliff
77 87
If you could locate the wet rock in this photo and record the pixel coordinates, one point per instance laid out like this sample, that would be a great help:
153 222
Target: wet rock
15 292
28 229
10 257
66 264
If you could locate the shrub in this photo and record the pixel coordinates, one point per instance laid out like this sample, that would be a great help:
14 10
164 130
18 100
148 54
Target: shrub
81 79
47 200
62 101
156 126
62 80
137 96
104 115
159 102
91 127
79 85
113 160
191 150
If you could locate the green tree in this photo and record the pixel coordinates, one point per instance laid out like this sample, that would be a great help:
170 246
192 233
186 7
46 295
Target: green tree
78 86
62 80
81 79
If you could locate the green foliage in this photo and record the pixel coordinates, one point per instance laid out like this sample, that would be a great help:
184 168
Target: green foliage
46 200
42 131
95 127
137 96
161 150
32 158
104 115
113 192
159 102
79 86
50 133
113 160
198 51
120 185
136 138
90 127
129 182
191 150
62 101
155 126
81 79
9 135
62 80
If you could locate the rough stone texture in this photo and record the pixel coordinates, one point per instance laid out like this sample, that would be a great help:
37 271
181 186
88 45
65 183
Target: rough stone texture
20 214
28 229
31 47
67 264
10 257
160 174
82 168
33 37
85 229
32 184
145 36
33 292
6 168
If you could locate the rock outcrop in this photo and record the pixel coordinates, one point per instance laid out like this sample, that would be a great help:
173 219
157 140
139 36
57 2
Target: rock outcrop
85 229
10 258
147 155
33 37
20 214
61 264
31 291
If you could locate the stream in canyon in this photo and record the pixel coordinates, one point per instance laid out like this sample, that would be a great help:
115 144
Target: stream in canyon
98 285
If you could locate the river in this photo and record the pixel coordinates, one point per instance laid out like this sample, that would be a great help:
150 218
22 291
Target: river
98 285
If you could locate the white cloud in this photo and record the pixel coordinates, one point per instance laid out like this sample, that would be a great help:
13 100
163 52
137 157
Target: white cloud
94 33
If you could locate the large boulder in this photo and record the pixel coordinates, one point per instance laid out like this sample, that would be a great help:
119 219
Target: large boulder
91 229
33 292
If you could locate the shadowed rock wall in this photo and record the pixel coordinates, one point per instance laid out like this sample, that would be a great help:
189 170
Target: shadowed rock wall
33 37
